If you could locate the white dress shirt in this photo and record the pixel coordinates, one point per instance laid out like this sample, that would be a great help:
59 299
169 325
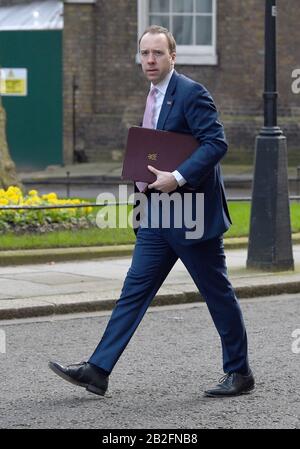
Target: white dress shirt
160 95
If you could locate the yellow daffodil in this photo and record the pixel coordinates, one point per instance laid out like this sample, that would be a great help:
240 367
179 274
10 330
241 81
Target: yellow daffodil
52 196
14 196
32 193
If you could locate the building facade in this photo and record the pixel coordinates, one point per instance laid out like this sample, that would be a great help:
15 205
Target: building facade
220 44
105 89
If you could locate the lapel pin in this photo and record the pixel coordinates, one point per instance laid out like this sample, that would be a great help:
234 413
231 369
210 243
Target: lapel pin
169 103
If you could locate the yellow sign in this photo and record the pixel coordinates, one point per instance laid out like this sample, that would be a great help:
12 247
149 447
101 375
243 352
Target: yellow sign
13 82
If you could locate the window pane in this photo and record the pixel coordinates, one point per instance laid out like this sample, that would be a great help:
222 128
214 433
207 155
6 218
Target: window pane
159 6
183 30
163 21
203 31
203 5
183 6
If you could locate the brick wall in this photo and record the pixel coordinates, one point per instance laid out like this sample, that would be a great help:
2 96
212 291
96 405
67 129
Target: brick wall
100 43
79 56
236 83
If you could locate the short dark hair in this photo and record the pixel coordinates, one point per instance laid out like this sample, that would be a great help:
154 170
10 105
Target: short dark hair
157 29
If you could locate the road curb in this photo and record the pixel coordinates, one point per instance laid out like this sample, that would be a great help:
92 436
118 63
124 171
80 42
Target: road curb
35 256
47 309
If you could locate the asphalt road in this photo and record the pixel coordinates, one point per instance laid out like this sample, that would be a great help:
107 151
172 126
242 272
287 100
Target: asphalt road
158 383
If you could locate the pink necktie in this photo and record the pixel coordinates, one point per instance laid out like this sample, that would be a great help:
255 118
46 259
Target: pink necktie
148 122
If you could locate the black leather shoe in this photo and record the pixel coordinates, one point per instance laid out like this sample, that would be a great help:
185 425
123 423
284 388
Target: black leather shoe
82 374
232 384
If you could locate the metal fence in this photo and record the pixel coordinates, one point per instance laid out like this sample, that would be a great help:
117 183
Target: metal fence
124 203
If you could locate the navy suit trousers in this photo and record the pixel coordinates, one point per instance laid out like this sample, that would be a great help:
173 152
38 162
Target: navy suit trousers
154 255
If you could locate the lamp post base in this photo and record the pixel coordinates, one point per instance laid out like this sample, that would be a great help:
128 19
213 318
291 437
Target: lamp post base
270 243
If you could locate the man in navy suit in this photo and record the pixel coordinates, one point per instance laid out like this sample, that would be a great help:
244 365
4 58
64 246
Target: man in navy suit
182 105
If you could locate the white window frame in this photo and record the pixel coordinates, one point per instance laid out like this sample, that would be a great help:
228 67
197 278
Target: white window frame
185 54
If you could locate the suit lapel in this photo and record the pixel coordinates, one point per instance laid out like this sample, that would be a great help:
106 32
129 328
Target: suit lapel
168 101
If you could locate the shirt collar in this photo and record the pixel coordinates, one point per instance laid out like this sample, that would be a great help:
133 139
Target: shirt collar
163 85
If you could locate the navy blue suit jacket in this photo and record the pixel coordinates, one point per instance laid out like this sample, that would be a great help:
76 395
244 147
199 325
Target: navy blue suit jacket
189 108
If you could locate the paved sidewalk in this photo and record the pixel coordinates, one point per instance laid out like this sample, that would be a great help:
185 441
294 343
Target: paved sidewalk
87 179
111 172
85 286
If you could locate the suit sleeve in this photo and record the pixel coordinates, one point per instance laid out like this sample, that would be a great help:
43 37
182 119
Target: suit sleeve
202 118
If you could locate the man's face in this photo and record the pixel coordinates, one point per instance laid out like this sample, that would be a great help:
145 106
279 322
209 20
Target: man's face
156 59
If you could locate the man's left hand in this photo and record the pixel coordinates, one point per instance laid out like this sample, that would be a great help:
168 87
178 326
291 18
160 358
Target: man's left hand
165 181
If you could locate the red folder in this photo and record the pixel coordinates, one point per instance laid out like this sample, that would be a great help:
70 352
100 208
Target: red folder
164 150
